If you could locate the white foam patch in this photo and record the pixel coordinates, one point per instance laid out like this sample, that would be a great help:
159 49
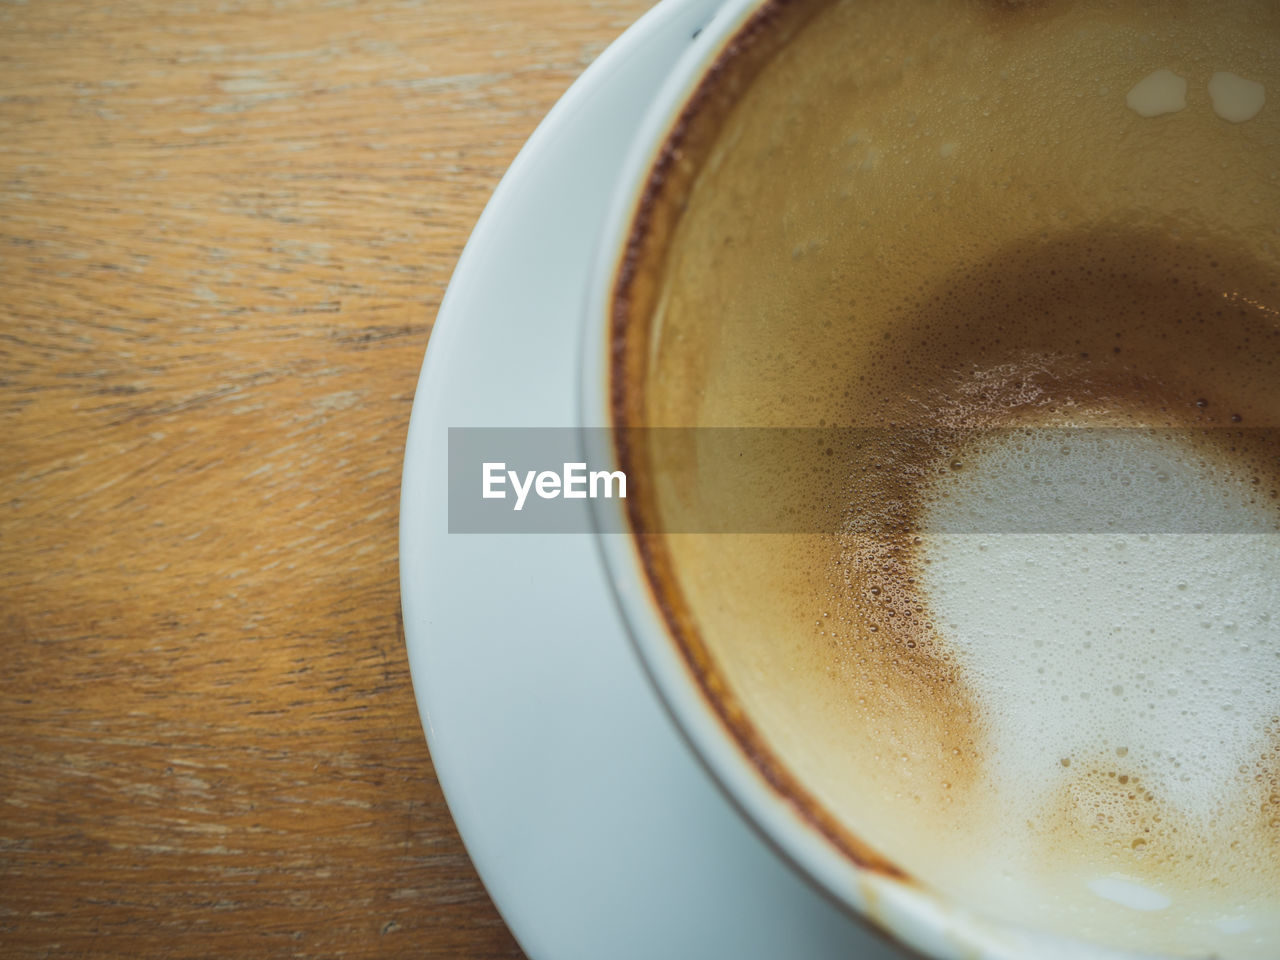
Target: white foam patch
1096 481
1130 894
1235 98
1162 648
1234 924
1158 93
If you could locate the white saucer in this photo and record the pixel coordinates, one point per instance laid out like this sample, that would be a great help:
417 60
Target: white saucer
594 829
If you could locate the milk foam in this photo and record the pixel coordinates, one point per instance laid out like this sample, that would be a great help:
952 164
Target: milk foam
1158 93
1136 673
1235 98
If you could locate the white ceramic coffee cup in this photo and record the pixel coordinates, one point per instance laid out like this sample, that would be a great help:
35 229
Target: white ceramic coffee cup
905 910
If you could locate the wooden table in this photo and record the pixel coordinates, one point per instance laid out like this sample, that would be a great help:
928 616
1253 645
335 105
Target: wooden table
225 229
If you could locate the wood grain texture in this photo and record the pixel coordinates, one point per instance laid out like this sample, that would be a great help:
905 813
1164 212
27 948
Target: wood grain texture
225 229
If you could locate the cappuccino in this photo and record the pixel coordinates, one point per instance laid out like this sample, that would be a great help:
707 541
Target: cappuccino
1039 243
